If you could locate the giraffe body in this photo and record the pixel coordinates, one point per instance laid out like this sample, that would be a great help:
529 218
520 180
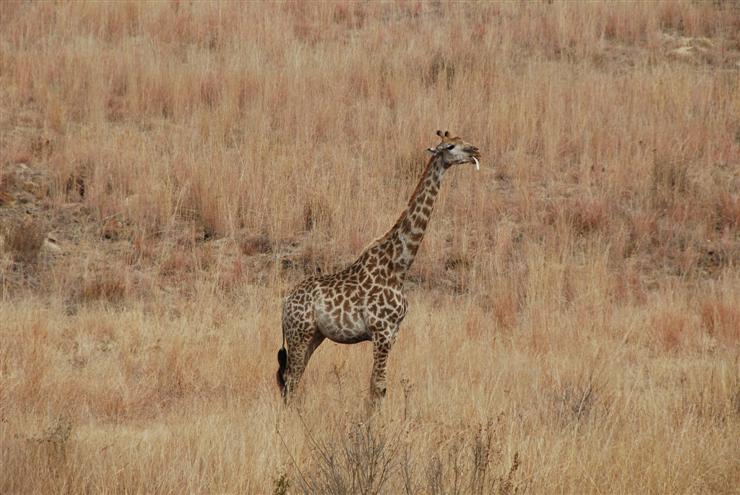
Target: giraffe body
342 307
365 301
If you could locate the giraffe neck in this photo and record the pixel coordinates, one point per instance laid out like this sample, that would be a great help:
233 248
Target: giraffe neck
401 243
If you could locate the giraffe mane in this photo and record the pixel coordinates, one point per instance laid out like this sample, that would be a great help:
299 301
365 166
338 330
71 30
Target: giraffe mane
418 188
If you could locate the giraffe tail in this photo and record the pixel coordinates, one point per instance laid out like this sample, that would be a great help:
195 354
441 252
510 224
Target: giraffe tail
282 362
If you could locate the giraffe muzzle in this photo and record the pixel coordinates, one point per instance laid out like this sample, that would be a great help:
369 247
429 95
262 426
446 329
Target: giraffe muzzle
474 155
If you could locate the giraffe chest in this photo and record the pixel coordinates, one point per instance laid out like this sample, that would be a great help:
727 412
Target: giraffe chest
385 306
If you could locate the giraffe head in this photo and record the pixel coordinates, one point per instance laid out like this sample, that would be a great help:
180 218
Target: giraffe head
453 151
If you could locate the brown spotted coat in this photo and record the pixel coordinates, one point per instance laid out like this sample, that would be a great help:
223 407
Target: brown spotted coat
365 301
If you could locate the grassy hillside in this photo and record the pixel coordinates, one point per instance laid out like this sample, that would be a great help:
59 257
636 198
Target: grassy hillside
171 169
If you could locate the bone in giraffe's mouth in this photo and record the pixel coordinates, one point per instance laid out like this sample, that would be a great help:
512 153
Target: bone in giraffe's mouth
477 163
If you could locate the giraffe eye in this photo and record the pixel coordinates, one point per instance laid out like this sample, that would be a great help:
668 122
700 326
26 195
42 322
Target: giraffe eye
450 146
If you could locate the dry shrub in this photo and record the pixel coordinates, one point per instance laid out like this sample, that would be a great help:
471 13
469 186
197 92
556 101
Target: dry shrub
575 401
471 463
24 240
53 444
670 180
372 458
144 248
317 214
255 244
108 286
721 319
6 196
643 232
231 280
112 229
672 328
587 215
177 262
361 462
727 208
712 399
505 307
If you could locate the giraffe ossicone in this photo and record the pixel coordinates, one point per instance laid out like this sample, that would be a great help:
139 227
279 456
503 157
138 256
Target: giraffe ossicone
365 300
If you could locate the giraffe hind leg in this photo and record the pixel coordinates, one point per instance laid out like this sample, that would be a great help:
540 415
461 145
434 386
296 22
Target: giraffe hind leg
299 351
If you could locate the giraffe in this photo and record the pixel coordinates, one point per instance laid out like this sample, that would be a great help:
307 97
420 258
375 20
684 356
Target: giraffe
365 300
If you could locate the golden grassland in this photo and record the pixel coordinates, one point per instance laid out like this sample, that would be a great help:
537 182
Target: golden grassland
170 170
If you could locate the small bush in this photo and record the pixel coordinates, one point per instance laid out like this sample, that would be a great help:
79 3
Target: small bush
106 286
368 458
359 462
24 241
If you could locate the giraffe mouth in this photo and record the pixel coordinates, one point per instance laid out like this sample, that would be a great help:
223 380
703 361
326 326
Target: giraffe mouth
473 154
474 160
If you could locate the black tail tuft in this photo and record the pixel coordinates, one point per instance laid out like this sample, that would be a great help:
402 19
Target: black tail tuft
283 362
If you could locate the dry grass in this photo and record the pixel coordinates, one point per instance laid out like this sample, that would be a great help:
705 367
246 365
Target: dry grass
574 317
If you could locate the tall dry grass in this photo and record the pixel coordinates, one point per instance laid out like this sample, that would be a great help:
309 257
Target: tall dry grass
574 317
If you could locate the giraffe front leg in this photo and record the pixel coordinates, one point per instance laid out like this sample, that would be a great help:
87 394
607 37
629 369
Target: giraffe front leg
382 343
